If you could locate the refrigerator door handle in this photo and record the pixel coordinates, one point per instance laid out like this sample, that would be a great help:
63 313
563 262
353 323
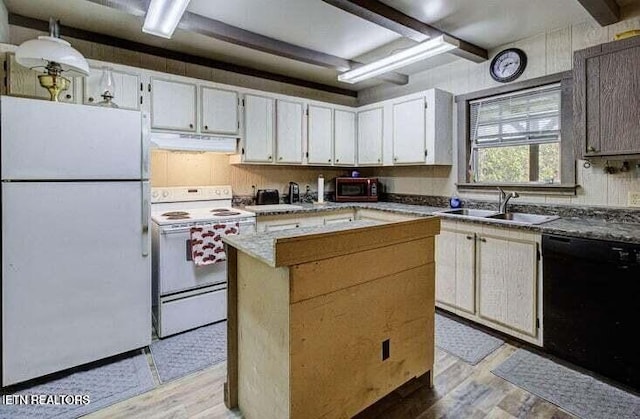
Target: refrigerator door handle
145 218
145 146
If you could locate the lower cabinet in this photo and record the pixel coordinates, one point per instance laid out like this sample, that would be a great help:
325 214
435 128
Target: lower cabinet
490 275
507 282
455 269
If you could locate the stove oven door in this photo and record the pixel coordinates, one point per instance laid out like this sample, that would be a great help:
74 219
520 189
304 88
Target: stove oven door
176 270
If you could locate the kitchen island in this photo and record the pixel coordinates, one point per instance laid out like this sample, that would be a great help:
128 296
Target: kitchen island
325 321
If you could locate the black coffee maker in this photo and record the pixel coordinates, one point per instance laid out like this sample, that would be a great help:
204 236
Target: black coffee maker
294 193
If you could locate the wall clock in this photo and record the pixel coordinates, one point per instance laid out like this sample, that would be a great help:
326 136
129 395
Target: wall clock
508 65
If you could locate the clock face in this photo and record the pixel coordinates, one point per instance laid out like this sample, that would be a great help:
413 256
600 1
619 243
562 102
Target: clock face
508 65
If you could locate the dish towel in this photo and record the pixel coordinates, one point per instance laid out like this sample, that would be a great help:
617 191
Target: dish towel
206 242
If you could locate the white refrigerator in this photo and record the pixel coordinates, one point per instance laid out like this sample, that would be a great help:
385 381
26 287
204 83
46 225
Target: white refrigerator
76 272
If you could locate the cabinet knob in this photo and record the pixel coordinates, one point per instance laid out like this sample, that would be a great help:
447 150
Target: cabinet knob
337 160
269 157
68 96
206 127
280 158
394 159
329 160
190 125
90 99
378 160
469 237
483 240
591 149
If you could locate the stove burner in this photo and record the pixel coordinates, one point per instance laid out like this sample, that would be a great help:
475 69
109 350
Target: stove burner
220 210
176 214
178 217
225 213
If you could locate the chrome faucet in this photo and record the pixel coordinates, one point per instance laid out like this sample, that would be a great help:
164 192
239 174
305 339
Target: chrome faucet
503 199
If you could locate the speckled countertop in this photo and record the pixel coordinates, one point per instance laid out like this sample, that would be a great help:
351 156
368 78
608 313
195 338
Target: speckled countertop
594 228
262 245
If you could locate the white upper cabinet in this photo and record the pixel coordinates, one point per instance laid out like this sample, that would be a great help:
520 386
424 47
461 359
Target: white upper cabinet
409 131
126 90
344 138
370 136
320 135
422 129
219 111
259 128
289 128
173 105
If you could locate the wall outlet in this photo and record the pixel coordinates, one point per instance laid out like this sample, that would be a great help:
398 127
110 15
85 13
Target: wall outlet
634 199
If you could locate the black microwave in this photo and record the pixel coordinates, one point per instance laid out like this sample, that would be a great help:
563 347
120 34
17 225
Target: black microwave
356 189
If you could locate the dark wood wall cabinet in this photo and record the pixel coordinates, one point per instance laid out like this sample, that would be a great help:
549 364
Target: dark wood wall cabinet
607 99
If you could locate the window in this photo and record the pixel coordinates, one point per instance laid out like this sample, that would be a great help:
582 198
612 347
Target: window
520 135
515 138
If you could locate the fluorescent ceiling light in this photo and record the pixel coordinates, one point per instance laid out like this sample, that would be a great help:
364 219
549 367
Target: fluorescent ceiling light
426 49
163 17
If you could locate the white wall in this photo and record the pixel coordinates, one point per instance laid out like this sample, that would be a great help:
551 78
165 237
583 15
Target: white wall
4 24
547 53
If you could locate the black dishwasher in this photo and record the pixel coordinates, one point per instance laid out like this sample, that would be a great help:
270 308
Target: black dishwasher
591 305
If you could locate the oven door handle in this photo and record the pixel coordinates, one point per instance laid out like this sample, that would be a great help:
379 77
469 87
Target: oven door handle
176 230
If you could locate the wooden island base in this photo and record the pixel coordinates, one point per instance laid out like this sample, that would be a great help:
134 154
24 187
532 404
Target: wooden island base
340 321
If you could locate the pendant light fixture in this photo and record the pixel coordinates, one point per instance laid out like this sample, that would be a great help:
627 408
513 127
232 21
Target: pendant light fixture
55 56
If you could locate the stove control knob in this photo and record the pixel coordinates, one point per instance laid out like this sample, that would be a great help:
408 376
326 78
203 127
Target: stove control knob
217 191
154 194
226 191
165 194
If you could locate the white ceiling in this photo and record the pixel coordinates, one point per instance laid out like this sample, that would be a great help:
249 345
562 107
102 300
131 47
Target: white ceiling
317 25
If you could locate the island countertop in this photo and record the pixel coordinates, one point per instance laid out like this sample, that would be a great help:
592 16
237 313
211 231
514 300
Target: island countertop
262 246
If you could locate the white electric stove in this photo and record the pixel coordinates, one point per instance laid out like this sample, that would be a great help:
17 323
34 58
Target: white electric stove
186 296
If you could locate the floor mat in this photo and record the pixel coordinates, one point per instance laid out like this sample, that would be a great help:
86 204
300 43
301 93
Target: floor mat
105 385
577 393
467 343
188 352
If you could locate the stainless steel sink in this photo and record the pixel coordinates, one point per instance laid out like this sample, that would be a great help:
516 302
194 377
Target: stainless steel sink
522 218
506 218
469 212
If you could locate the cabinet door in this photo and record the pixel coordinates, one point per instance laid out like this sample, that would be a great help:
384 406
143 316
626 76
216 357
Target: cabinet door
320 129
173 105
619 101
409 131
126 90
22 81
344 138
289 131
370 132
455 269
606 105
259 128
507 281
219 111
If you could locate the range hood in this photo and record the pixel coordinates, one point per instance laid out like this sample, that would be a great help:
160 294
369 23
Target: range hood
193 142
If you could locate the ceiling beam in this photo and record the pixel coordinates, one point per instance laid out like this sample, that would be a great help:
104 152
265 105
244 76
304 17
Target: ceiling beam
98 38
382 15
216 29
605 12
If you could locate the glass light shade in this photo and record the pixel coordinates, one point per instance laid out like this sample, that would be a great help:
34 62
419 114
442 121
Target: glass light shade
40 52
107 84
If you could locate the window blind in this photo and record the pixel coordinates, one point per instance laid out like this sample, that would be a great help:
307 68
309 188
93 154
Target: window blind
525 117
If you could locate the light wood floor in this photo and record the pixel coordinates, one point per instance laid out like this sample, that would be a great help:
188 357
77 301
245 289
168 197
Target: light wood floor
460 391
